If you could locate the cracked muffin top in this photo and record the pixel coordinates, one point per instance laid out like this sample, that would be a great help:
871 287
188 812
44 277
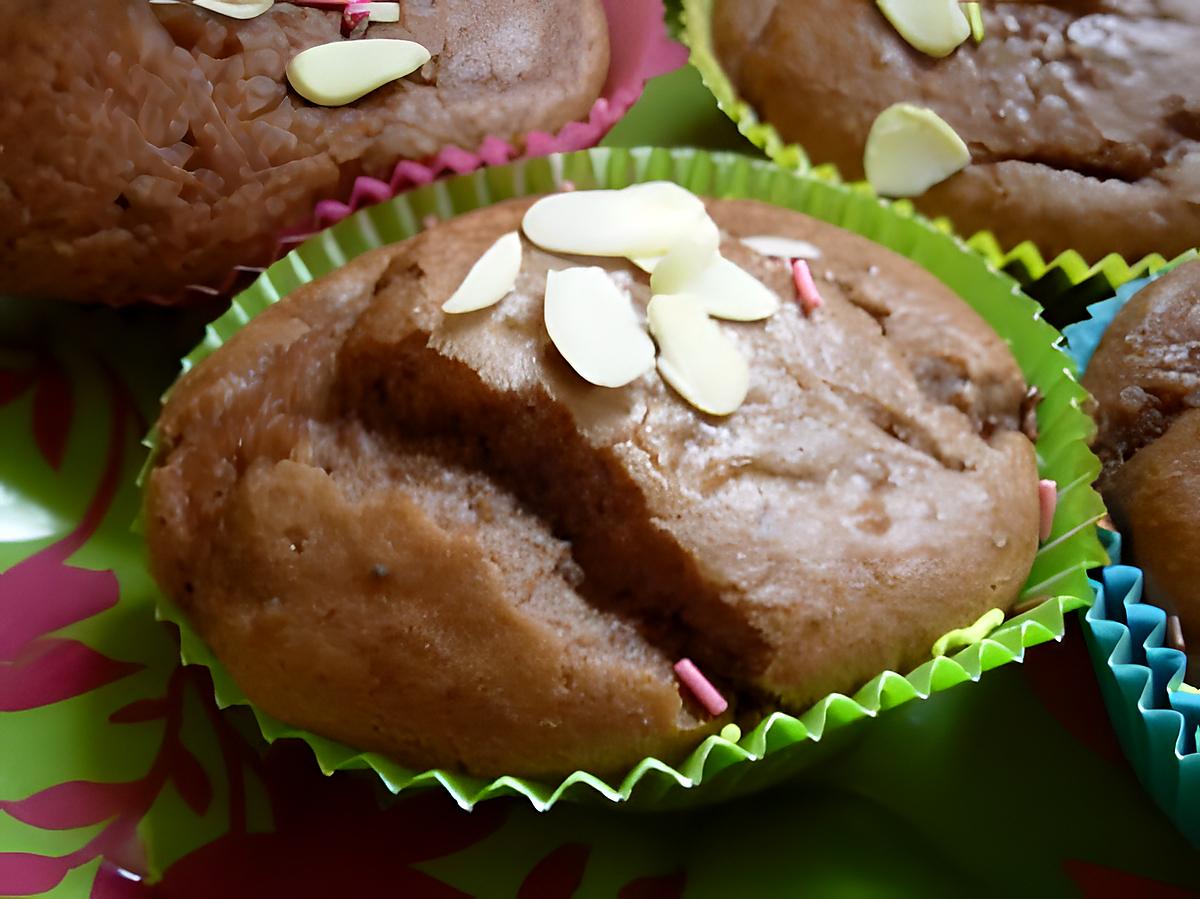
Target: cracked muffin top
147 148
428 535
1082 117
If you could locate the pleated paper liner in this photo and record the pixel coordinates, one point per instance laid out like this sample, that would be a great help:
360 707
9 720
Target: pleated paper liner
1065 285
781 743
1140 676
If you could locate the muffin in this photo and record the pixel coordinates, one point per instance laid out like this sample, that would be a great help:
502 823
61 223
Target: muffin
150 147
1145 377
434 536
1082 120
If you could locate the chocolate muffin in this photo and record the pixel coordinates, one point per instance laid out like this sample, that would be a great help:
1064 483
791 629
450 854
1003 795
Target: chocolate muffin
1145 377
146 148
427 535
1082 118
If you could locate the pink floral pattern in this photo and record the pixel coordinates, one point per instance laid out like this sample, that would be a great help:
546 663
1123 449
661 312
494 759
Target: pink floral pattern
329 836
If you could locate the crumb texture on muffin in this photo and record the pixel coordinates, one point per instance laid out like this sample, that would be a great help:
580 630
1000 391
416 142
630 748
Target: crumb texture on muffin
497 563
1083 119
150 147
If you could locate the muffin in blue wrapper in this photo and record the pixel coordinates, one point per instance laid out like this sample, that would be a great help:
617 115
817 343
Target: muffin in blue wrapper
1155 713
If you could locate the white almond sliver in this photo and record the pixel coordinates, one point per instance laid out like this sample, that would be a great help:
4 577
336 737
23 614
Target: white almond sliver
341 72
695 356
490 279
910 149
592 323
691 254
782 247
728 291
935 27
695 267
246 9
383 12
642 220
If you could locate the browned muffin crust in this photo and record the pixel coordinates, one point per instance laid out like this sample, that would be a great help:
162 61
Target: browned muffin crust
1082 116
147 148
1145 377
1145 373
873 492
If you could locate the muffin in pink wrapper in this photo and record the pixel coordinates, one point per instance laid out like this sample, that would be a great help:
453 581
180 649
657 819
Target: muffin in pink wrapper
153 149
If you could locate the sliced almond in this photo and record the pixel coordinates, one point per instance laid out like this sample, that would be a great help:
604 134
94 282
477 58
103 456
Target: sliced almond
592 323
910 149
341 72
693 253
490 279
642 220
730 292
382 12
975 17
695 267
245 9
695 356
935 27
782 247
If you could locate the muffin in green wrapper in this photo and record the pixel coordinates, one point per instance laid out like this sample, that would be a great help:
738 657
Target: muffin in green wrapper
516 442
1051 154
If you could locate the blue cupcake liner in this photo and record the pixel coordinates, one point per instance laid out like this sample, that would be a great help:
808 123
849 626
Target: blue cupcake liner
1157 723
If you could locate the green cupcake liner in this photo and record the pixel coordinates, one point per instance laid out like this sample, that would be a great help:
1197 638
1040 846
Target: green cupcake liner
1066 273
780 744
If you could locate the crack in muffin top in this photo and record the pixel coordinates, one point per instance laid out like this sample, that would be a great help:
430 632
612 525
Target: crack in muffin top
872 492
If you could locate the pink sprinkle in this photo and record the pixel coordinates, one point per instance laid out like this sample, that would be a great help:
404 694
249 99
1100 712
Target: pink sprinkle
1048 497
806 288
707 695
429 221
567 186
